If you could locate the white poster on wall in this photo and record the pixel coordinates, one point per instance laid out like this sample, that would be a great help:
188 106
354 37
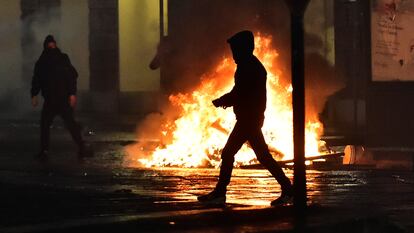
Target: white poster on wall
392 40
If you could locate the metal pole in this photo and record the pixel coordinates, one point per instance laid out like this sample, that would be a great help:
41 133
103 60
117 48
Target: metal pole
160 53
161 19
297 10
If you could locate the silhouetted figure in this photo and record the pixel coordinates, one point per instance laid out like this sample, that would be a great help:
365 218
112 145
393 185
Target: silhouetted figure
248 99
56 78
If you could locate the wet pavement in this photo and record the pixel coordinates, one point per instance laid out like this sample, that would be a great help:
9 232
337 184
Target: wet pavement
102 193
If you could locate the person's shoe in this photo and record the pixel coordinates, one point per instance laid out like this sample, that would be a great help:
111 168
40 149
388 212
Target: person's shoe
214 197
284 199
43 156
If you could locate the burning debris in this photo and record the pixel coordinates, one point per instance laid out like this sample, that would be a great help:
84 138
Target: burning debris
195 138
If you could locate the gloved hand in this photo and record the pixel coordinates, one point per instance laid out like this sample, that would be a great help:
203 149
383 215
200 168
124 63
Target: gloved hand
35 102
72 101
219 103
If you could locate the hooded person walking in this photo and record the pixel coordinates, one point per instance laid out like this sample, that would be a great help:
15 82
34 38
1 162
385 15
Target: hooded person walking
248 99
56 79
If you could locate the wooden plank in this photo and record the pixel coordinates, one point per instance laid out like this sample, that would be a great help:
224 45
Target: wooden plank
284 162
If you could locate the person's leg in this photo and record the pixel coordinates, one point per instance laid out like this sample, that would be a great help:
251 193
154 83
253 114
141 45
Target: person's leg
261 150
46 120
73 127
234 143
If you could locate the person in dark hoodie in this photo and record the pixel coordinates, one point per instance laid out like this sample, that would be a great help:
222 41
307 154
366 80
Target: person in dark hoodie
56 78
248 99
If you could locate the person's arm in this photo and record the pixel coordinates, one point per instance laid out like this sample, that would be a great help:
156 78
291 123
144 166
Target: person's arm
227 100
36 85
72 81
231 98
72 76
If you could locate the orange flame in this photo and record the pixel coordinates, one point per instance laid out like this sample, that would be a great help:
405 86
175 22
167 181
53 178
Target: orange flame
201 130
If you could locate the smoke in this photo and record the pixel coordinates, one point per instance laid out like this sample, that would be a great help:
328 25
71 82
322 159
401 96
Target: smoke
322 81
198 34
197 42
9 73
10 69
21 44
152 132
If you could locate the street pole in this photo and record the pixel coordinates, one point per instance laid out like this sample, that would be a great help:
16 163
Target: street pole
297 11
161 2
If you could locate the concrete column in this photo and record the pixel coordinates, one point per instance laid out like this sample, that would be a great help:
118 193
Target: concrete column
104 56
352 57
75 38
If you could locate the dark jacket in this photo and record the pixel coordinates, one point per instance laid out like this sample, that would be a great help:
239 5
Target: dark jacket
54 76
248 96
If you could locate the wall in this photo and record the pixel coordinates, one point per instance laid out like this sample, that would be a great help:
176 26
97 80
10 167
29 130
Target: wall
138 39
392 40
390 116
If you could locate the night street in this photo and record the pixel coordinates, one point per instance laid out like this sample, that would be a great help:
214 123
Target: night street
65 194
206 116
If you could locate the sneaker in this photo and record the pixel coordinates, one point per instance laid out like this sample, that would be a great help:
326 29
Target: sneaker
282 200
213 197
43 156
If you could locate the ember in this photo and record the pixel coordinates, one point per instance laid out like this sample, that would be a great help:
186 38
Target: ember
196 138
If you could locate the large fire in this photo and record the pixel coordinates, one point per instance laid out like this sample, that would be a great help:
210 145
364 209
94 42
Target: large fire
197 136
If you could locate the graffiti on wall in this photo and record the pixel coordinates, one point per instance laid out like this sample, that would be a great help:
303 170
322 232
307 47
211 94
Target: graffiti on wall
392 40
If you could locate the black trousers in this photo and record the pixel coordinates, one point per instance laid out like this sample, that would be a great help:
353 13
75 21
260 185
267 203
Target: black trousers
65 111
252 133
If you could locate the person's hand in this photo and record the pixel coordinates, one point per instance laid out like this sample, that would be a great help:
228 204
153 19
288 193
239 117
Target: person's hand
219 103
35 101
72 101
